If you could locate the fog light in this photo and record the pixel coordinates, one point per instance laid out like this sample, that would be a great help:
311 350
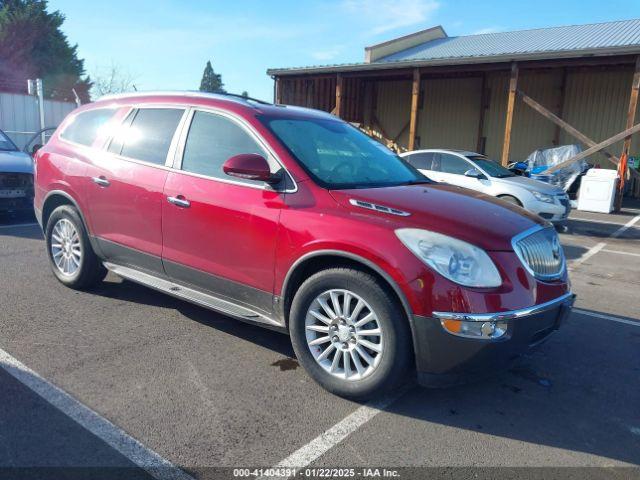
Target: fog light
487 330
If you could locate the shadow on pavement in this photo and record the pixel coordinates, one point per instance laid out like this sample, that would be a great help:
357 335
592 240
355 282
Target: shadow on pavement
574 392
37 441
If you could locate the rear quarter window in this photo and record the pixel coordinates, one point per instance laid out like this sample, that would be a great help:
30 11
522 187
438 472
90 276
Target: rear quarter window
85 126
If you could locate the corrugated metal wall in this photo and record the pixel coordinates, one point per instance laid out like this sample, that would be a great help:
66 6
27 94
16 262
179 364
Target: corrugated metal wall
450 113
19 113
595 102
392 107
530 130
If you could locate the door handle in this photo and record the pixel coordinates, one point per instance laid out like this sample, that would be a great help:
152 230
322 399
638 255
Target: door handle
179 201
102 181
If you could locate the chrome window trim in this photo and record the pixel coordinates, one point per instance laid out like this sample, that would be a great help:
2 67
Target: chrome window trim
179 154
516 249
509 315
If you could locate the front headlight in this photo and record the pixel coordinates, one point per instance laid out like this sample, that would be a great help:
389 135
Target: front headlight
454 259
542 197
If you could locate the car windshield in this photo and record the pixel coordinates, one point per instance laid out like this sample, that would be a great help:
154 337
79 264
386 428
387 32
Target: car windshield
6 145
338 156
493 168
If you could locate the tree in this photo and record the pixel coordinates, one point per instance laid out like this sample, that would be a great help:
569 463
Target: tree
211 81
245 94
32 45
112 79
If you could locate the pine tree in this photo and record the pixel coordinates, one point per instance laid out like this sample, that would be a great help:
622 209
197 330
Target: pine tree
32 45
211 81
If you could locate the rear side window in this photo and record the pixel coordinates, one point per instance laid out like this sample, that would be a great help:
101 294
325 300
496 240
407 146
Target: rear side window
211 141
421 161
148 136
85 126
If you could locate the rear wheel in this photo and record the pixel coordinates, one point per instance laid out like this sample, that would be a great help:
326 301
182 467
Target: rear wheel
72 259
349 333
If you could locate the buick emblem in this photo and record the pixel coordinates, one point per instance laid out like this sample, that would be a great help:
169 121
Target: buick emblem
556 249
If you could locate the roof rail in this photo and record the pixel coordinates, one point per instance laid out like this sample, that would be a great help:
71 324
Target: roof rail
187 93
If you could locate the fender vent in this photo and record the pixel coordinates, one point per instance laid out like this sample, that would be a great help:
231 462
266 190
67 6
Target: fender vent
378 208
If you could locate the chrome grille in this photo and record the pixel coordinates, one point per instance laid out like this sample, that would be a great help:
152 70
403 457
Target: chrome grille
540 252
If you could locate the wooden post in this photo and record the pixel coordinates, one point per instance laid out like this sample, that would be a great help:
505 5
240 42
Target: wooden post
511 102
631 115
278 91
338 108
413 119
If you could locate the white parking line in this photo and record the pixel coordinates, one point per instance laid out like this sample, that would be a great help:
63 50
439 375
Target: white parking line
112 435
15 225
596 248
593 220
603 316
336 434
620 252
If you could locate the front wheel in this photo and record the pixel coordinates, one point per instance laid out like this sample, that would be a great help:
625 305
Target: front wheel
349 333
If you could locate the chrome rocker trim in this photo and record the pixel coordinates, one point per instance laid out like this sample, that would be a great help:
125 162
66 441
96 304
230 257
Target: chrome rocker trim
567 298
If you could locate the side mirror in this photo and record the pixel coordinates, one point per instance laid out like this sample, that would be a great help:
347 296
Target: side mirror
473 173
250 166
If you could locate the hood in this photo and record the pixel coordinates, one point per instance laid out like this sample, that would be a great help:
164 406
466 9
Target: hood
531 184
465 214
15 162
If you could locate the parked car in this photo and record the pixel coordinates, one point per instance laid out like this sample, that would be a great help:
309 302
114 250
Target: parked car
294 220
477 172
16 178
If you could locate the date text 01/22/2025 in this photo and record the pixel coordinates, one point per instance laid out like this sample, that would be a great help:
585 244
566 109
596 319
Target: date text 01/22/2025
281 472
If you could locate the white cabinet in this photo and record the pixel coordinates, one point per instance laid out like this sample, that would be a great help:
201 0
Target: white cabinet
598 190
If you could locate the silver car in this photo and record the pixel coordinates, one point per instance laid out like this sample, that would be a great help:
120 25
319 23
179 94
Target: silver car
477 172
16 178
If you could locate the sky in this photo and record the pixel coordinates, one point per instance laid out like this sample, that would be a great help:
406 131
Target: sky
165 44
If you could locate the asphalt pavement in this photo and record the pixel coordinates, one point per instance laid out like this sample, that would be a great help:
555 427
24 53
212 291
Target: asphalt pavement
201 391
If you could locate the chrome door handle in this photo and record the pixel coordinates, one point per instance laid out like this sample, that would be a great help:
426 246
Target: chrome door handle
180 202
103 182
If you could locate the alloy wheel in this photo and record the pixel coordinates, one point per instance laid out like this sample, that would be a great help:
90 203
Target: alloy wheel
344 334
66 249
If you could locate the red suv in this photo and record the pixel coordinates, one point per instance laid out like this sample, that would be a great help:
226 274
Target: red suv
295 220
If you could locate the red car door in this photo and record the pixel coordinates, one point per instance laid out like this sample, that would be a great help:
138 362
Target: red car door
125 190
219 233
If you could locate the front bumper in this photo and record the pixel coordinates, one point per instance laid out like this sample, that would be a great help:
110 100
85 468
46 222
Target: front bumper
557 212
445 359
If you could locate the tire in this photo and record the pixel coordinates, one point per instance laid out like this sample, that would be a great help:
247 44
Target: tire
511 200
77 271
385 368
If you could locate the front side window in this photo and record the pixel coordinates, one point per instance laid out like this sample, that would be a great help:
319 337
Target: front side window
338 156
211 141
149 135
453 164
6 145
493 168
85 126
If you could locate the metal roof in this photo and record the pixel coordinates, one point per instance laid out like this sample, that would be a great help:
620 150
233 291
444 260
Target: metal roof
555 39
610 38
